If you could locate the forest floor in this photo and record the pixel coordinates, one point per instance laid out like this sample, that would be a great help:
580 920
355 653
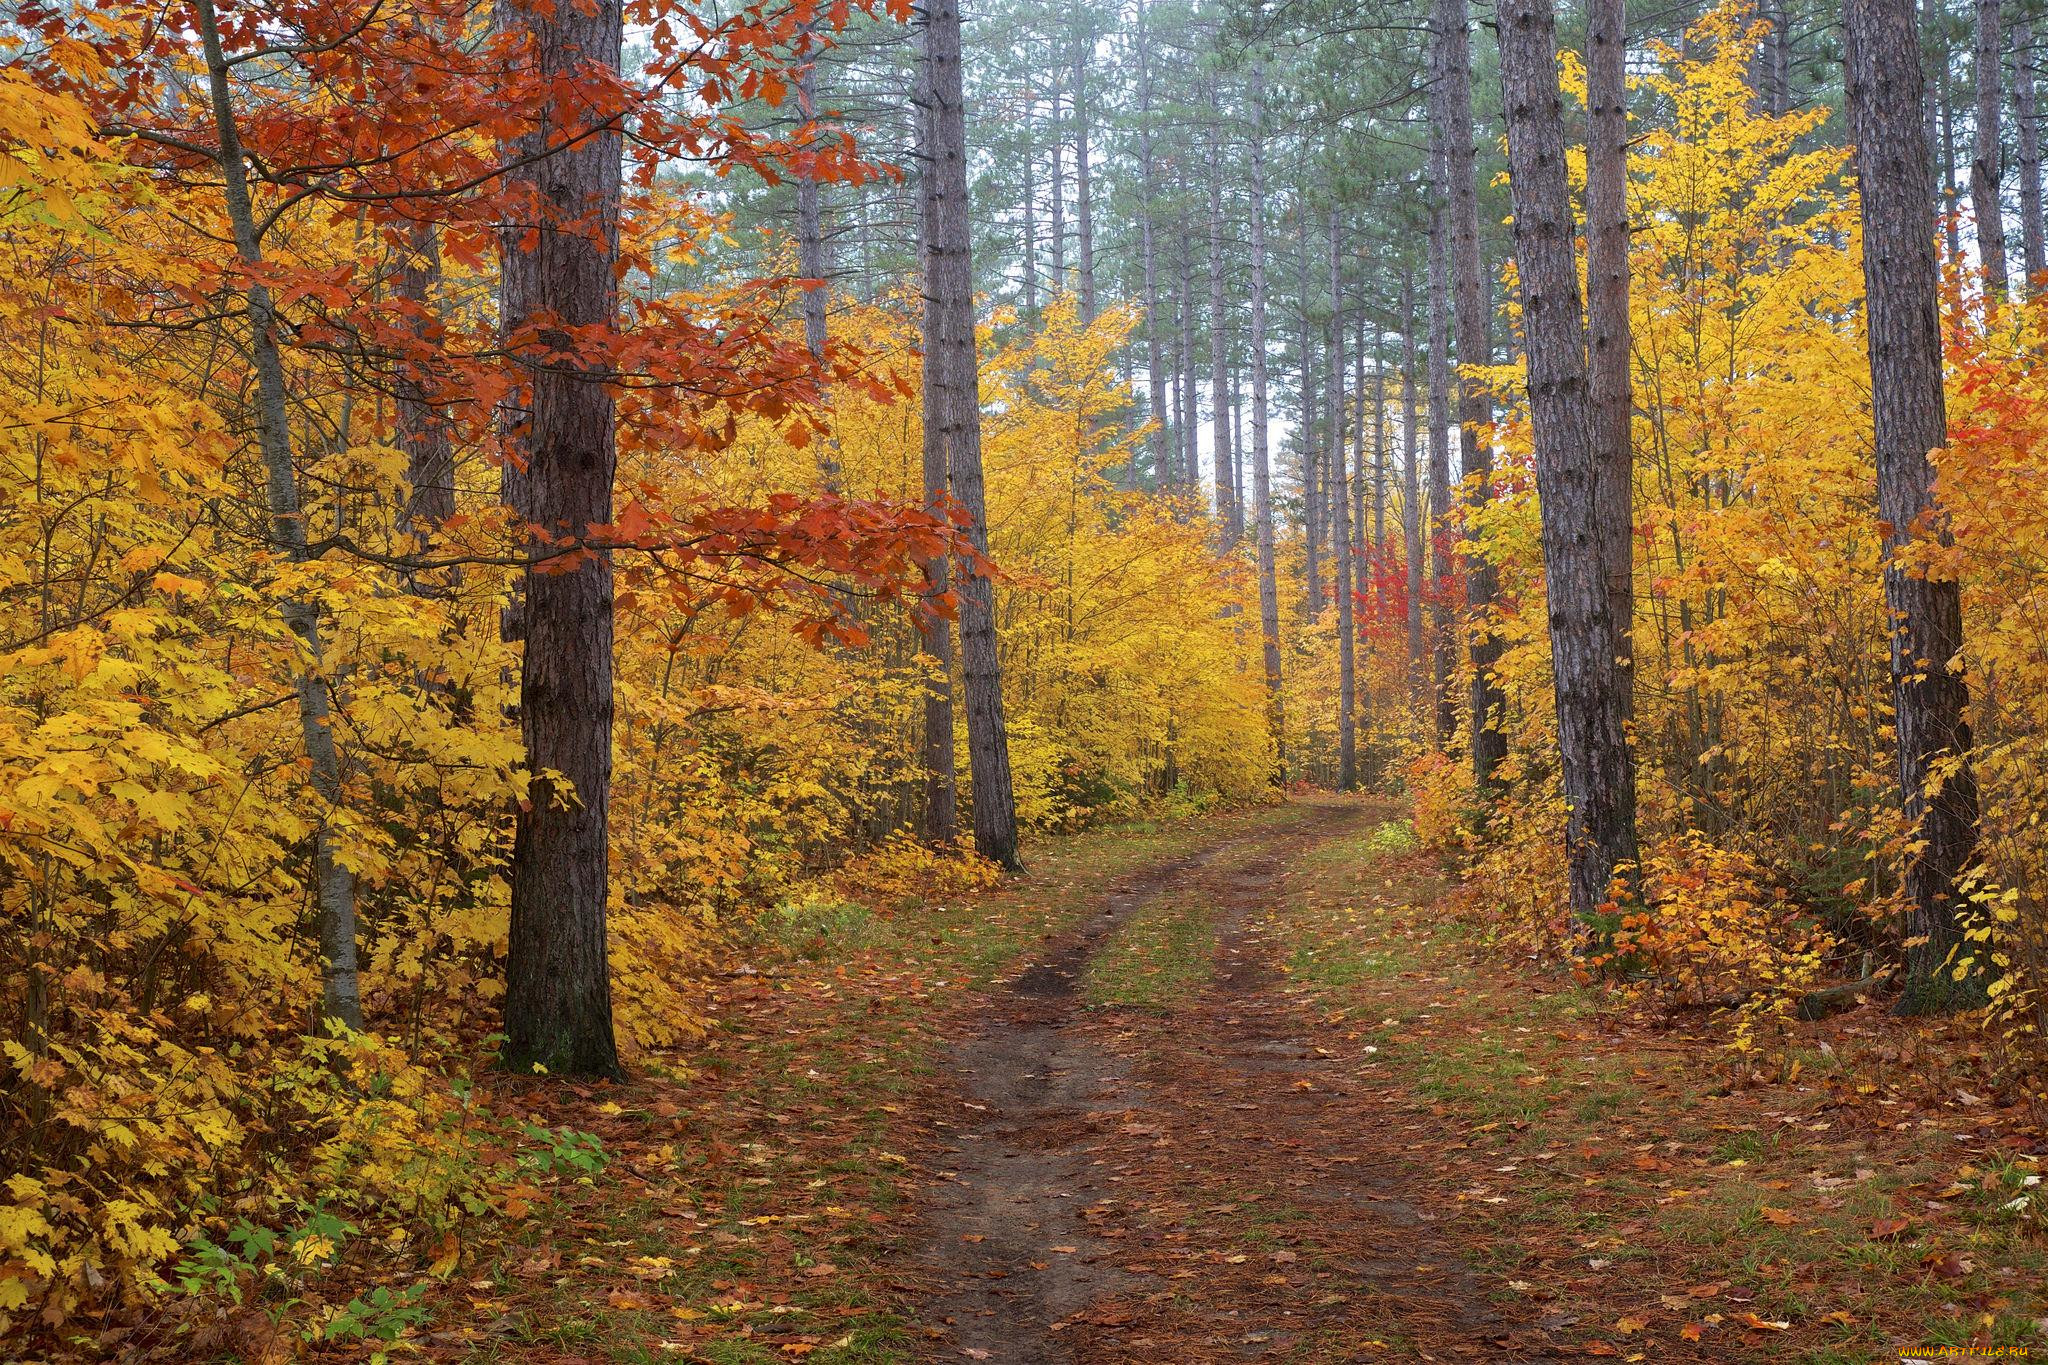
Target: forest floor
1247 1088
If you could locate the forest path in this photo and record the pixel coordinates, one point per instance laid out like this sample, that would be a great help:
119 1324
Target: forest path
1152 1158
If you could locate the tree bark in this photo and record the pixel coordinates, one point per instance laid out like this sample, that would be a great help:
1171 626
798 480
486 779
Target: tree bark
1058 228
1475 347
941 765
2027 114
1155 379
1909 419
1228 515
1190 424
1262 471
558 1008
1607 285
1340 532
813 259
1442 642
1412 442
422 425
1084 219
333 884
1026 166
1599 778
956 406
1987 166
1309 447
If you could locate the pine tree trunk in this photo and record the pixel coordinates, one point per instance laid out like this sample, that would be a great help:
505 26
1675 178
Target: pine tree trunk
1026 166
1599 778
813 260
1058 229
941 765
1084 210
1155 379
1228 515
1412 442
1909 417
1308 448
2027 115
1474 311
1359 459
1607 285
1987 167
956 407
558 1009
1440 538
1237 493
1340 530
1262 469
1379 447
1190 424
334 891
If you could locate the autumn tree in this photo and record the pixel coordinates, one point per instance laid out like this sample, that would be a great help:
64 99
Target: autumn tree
1599 777
1909 418
953 407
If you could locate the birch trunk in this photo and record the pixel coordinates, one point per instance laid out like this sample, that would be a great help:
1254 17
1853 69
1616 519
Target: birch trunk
333 885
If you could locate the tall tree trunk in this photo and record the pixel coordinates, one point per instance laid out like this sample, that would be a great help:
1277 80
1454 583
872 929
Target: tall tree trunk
1237 493
1987 167
1950 198
558 1007
1411 485
1475 347
941 765
1155 379
422 424
1607 283
1359 460
2027 114
1190 424
1340 532
1262 468
1599 778
1442 643
1026 166
1084 210
1228 515
813 261
1309 447
949 327
1058 228
1910 418
1379 448
333 884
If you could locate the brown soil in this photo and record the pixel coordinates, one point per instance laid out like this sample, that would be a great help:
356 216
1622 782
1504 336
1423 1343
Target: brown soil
1105 1169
